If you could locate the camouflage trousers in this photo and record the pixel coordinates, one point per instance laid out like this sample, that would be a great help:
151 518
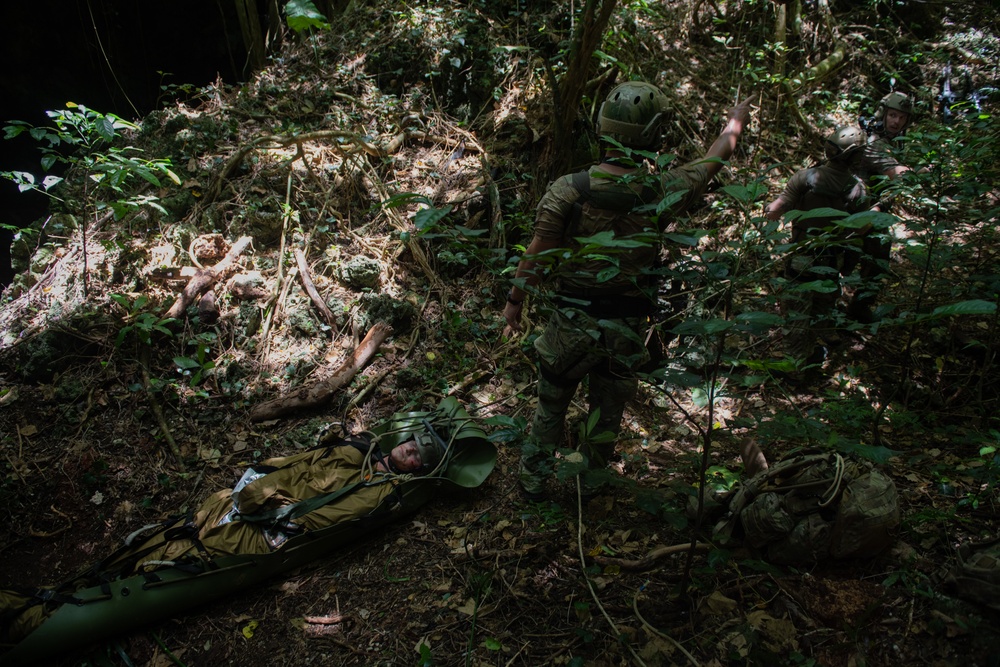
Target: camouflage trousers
574 347
807 303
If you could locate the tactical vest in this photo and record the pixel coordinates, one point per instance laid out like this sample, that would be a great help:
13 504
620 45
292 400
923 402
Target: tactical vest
830 187
618 269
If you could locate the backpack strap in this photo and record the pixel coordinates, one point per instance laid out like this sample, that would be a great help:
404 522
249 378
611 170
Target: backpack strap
581 182
619 202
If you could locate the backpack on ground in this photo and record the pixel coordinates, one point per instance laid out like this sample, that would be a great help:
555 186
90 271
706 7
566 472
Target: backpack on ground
811 507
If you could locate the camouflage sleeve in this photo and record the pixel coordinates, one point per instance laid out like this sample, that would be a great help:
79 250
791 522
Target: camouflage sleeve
554 209
795 189
691 178
877 159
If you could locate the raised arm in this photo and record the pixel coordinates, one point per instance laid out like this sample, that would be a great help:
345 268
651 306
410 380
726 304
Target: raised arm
725 144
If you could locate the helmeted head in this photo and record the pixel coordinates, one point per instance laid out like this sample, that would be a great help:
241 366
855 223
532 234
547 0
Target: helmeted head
430 451
417 456
894 112
845 142
633 114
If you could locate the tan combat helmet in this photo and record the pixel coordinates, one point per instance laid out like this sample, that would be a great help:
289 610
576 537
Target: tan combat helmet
895 100
844 142
633 114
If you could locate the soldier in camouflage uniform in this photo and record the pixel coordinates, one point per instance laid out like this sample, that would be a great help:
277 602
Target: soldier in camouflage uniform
892 118
821 254
601 301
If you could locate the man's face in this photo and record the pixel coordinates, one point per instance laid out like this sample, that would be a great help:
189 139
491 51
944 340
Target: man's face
406 457
895 121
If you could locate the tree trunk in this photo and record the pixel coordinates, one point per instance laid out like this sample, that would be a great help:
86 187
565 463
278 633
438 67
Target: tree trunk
567 92
253 36
780 34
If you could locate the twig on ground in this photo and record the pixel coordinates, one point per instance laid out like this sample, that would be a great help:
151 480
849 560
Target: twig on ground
310 288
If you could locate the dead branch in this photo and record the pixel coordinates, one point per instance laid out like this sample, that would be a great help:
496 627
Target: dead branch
154 405
314 296
820 69
206 278
467 382
53 533
320 392
324 620
650 558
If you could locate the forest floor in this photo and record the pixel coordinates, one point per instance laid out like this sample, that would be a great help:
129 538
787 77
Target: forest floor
90 391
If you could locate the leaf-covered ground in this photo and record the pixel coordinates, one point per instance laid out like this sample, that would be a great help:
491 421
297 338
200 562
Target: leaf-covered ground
325 152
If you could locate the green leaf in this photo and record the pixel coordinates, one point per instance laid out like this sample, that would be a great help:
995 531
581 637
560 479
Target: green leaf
781 365
683 239
823 212
428 217
105 128
470 233
875 454
11 131
120 300
173 177
876 219
604 56
821 286
148 176
403 198
739 193
702 327
186 363
670 200
492 644
971 307
303 15
760 319
607 274
608 240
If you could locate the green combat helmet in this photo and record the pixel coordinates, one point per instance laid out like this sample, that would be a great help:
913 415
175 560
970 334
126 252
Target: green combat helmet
894 100
633 114
844 142
431 451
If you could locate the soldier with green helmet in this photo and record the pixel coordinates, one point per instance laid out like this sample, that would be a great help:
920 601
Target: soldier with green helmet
601 301
820 254
892 118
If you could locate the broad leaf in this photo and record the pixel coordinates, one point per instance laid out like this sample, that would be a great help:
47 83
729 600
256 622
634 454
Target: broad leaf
303 15
702 327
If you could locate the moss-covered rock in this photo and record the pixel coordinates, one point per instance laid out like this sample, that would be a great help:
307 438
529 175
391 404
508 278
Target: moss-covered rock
360 272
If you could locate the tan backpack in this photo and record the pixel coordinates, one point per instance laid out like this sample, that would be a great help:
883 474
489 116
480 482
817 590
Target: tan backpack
813 506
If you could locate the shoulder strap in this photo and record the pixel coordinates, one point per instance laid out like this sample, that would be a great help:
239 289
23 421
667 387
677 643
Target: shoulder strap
609 201
581 182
